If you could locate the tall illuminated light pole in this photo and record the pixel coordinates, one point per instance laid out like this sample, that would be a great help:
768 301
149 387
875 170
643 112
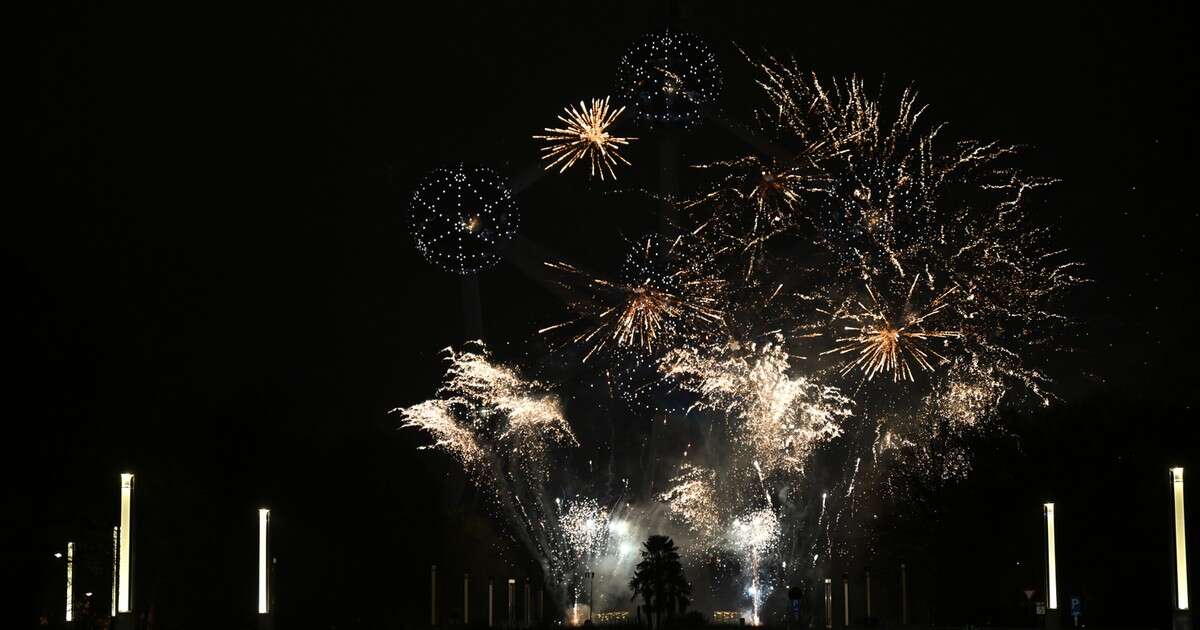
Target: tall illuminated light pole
1051 569
264 554
70 616
828 603
125 563
1182 616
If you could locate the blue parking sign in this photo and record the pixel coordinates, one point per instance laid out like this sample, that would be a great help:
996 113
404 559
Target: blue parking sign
1076 606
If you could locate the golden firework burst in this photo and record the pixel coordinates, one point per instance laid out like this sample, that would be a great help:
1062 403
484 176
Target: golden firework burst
585 135
883 346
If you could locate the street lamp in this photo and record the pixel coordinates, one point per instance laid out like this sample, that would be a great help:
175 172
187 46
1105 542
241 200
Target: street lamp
264 524
1181 581
1051 561
125 579
828 603
70 581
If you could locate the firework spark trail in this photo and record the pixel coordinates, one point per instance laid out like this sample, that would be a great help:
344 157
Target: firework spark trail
692 499
664 295
585 135
781 417
501 426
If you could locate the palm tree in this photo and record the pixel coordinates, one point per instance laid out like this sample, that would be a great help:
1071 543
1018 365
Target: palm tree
659 580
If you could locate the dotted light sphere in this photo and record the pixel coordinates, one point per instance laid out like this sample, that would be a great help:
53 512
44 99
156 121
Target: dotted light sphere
460 215
668 78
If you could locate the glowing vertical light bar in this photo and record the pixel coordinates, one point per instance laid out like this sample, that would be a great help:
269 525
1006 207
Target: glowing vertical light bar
1051 561
264 522
116 569
124 585
828 603
70 581
1181 584
512 602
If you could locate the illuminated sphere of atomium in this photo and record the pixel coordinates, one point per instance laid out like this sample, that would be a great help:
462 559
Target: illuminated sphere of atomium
668 78
461 215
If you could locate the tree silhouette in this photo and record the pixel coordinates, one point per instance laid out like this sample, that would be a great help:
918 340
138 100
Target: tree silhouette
659 580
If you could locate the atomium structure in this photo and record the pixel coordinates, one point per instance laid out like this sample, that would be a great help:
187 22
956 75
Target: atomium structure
460 216
668 78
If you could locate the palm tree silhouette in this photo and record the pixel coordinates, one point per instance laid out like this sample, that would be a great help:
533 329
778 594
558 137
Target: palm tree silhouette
659 580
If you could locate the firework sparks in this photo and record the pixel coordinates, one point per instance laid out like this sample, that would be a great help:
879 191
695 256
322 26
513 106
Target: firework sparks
935 231
437 418
878 345
586 135
756 535
664 294
585 526
502 427
692 499
782 416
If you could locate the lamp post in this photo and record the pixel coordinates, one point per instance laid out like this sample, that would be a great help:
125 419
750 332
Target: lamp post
828 603
264 575
512 602
125 561
904 593
1181 620
70 611
491 594
1051 569
466 598
433 595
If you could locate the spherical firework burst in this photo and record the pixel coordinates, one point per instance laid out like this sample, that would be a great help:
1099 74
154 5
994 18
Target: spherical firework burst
461 215
668 78
586 135
667 292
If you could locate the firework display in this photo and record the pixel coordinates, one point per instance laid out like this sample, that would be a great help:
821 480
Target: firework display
668 78
586 135
460 215
837 313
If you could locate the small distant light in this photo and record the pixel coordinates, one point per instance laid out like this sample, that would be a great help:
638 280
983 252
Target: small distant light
87 594
57 554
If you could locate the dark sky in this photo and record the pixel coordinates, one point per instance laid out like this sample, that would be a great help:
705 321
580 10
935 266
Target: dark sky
211 280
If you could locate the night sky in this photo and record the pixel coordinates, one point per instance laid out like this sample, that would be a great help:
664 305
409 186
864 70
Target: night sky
211 282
